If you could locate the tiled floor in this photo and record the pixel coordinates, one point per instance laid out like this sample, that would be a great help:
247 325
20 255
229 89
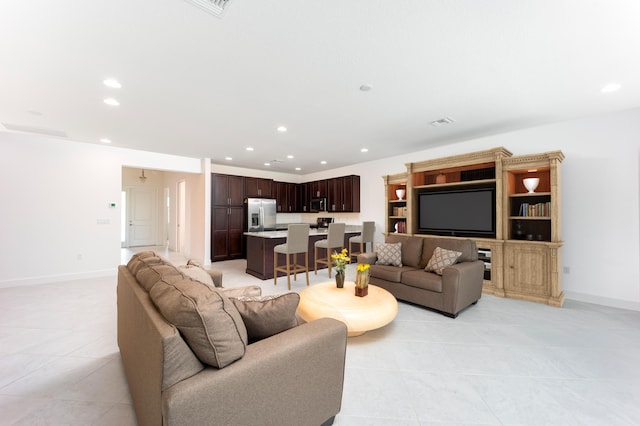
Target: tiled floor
501 362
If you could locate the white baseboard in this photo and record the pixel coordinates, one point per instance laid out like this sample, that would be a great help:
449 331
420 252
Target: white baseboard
57 278
606 301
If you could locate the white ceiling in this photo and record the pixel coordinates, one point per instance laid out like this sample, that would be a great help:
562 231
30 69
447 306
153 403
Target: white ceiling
201 86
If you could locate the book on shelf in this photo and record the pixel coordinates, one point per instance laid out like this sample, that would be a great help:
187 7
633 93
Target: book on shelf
401 227
535 210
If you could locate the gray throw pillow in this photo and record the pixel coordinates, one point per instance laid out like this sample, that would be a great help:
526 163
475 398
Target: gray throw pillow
265 316
389 254
209 321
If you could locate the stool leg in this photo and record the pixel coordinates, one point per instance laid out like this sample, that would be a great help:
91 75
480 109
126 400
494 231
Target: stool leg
329 261
315 260
306 266
275 265
295 267
288 272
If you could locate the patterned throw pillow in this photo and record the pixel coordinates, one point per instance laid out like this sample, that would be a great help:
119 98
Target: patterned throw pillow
442 258
389 254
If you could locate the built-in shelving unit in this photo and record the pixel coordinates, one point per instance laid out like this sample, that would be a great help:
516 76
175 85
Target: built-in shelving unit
523 259
396 208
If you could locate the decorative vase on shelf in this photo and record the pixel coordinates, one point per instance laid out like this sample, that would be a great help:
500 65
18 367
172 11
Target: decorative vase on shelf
401 193
531 184
340 279
441 178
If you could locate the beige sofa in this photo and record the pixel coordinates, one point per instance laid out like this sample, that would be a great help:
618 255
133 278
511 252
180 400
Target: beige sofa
459 286
294 377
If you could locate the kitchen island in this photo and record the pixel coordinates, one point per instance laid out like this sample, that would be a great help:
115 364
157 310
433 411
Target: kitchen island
260 248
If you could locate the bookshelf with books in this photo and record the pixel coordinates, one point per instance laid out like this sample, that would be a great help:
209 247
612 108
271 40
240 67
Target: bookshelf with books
396 203
532 249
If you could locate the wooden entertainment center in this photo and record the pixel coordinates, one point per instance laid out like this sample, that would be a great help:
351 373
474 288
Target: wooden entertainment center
522 252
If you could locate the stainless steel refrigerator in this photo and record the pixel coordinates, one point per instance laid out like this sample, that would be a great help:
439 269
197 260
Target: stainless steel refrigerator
261 214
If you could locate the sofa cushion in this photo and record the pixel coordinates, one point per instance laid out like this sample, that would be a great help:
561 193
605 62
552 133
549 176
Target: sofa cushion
411 249
209 321
265 316
389 254
197 273
441 259
389 273
424 280
137 261
149 275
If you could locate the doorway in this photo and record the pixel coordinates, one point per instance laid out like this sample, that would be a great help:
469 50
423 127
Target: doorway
181 197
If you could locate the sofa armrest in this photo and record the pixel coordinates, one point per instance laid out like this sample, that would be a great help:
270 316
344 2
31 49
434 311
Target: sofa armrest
368 257
294 377
247 291
216 276
462 285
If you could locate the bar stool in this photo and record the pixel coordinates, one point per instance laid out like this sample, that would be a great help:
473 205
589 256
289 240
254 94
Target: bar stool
335 239
297 242
366 236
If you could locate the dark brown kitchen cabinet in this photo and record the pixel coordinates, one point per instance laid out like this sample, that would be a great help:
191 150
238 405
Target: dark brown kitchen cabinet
319 189
344 194
286 197
227 190
227 216
304 197
258 188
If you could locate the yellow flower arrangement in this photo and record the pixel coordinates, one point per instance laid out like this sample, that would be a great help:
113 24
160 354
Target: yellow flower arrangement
362 276
340 259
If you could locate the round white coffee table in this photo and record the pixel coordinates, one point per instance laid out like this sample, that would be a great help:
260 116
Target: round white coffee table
360 314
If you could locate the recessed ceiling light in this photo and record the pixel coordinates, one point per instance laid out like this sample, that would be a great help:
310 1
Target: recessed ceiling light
364 150
228 158
282 129
267 164
105 140
111 101
289 156
110 82
298 168
323 162
249 148
366 87
610 87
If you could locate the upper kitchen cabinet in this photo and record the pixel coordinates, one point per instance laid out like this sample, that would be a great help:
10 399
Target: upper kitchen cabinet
258 188
286 197
319 189
344 194
227 190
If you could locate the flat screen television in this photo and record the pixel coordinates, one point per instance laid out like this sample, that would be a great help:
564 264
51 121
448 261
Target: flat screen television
458 212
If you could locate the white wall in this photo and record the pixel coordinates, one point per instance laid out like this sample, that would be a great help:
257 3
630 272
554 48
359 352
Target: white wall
54 191
53 194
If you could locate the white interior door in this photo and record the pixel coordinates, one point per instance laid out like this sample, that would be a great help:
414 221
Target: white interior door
142 221
181 215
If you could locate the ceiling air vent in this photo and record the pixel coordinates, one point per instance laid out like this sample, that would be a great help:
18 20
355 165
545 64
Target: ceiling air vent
442 122
214 7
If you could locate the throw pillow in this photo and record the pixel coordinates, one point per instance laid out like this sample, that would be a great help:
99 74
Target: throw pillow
198 273
265 316
209 322
442 258
389 254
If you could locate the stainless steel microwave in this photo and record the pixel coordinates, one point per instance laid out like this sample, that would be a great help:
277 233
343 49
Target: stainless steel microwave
318 205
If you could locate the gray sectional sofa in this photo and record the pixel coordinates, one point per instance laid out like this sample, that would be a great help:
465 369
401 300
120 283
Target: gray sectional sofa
459 285
293 377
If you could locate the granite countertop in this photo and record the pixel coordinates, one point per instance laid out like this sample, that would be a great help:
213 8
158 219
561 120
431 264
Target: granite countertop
283 234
